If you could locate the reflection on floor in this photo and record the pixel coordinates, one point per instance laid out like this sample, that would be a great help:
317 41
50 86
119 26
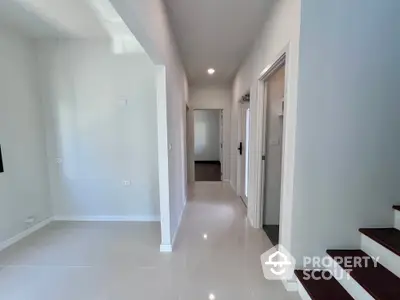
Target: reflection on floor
216 256
208 171
272 232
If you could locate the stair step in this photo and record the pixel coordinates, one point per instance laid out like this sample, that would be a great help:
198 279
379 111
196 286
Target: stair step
322 289
396 216
387 237
378 281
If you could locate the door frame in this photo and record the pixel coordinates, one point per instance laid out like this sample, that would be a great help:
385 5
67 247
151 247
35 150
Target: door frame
255 209
243 107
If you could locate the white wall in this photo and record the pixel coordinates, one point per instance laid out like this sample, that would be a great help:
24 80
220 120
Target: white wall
206 135
347 162
101 122
212 97
149 23
281 32
24 189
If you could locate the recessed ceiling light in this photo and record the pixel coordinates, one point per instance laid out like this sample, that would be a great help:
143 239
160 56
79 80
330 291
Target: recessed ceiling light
211 71
211 297
205 236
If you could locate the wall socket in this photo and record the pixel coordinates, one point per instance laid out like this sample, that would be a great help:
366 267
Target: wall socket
126 183
29 221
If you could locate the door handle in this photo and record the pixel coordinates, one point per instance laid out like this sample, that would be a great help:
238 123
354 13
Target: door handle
240 148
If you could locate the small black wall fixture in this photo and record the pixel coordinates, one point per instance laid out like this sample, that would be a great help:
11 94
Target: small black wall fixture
1 162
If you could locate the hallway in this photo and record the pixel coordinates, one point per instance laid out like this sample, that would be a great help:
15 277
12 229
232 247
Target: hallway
216 254
227 262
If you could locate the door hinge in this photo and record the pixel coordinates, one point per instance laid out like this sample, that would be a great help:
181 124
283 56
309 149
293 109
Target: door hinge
263 157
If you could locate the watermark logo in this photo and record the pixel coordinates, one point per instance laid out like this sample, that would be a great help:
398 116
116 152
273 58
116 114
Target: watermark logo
278 263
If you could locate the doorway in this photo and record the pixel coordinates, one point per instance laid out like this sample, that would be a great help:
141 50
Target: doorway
273 137
208 144
243 149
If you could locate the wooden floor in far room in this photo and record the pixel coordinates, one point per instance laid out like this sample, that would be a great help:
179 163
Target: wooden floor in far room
207 171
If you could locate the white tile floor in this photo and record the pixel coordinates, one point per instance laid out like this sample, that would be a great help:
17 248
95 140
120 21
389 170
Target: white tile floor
118 261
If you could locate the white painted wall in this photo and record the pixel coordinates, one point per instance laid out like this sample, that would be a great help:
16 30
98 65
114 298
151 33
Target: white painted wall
206 135
347 163
149 23
24 189
212 97
281 32
101 122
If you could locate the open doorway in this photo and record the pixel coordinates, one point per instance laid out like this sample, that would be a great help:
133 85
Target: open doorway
274 116
208 143
243 149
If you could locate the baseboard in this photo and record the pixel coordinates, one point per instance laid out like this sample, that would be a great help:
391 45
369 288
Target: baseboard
165 248
302 291
290 285
20 236
108 218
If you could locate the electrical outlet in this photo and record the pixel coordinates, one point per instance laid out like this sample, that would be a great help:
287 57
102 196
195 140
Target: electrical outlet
30 220
126 183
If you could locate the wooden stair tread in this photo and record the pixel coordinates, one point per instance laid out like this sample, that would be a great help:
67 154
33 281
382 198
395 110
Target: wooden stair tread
378 281
323 289
387 237
396 207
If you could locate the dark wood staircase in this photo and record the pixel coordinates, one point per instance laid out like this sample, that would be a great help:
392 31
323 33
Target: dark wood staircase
366 280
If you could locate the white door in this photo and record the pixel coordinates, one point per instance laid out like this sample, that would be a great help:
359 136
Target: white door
243 150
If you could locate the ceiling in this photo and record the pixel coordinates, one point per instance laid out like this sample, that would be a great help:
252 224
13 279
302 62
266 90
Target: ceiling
215 34
67 19
52 18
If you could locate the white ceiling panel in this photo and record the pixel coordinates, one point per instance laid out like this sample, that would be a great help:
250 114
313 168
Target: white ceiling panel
215 34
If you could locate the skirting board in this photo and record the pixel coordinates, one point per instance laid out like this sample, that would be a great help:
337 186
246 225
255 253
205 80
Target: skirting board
165 248
108 218
20 236
290 286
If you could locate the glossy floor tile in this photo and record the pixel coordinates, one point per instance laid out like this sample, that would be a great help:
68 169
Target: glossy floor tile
216 256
